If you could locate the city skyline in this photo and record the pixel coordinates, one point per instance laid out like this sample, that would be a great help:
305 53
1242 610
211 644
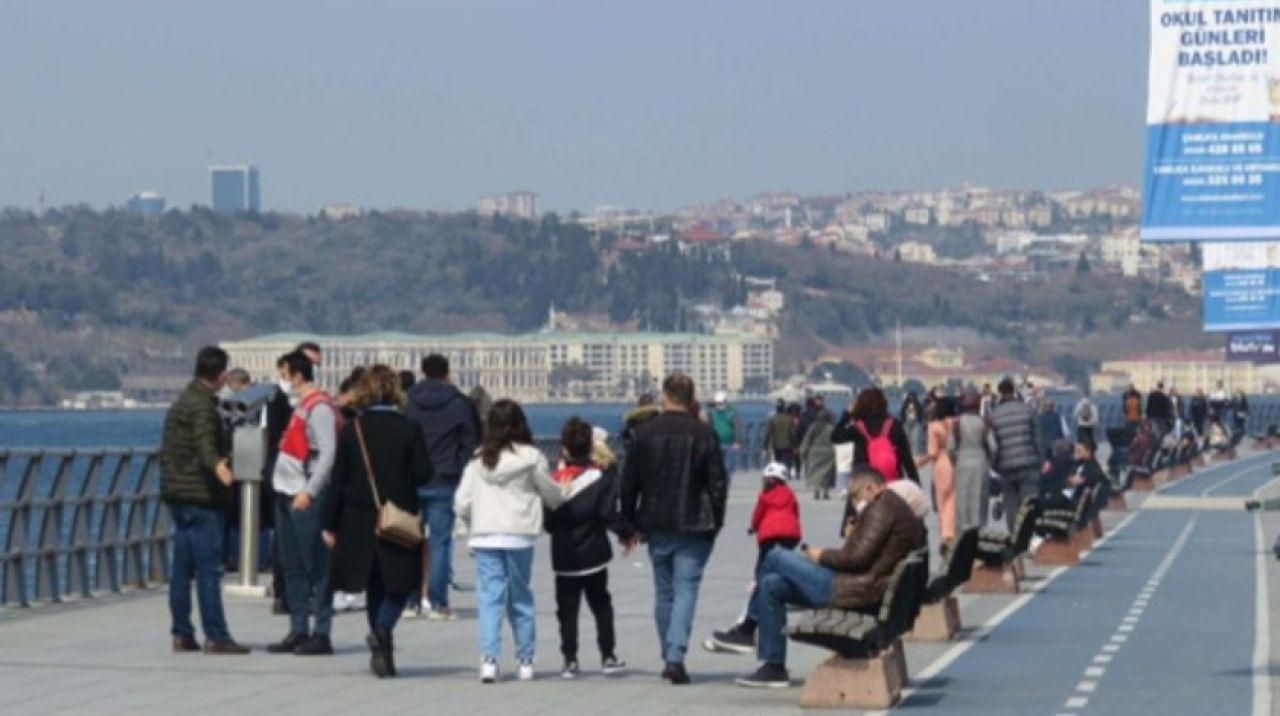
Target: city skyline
433 106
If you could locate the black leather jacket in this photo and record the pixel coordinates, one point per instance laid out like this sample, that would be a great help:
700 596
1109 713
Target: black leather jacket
674 478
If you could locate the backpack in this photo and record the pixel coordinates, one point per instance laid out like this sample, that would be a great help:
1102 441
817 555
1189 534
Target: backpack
722 424
294 442
882 456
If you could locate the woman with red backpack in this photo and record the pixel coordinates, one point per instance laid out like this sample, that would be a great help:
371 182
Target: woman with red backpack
879 440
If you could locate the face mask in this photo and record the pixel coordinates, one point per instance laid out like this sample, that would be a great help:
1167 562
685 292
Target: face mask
286 387
859 506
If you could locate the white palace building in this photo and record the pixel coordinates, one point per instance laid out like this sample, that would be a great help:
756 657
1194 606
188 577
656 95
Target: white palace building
537 367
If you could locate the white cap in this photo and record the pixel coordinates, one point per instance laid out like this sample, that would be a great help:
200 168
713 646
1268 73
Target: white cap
778 470
720 397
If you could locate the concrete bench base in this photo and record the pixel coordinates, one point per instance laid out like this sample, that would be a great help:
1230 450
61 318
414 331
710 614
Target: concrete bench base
1142 483
992 580
937 622
1262 444
1225 455
1198 461
874 683
1058 553
1116 503
1160 477
1177 472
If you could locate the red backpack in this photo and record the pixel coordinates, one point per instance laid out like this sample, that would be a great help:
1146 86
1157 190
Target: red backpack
882 456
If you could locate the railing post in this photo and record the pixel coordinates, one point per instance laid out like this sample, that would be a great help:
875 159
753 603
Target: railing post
17 551
50 545
108 555
135 539
80 549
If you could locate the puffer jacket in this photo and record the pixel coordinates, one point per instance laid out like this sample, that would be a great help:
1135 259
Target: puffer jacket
579 527
1014 424
191 449
883 535
674 478
507 499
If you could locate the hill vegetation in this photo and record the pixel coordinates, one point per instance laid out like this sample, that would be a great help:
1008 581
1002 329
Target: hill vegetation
88 296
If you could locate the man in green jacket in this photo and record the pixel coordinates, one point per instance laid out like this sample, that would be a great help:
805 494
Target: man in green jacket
195 483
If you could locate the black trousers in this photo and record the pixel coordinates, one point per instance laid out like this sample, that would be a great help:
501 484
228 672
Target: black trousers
569 593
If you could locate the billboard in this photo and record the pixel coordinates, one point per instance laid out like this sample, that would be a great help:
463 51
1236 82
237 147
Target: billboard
1241 285
1253 347
1213 122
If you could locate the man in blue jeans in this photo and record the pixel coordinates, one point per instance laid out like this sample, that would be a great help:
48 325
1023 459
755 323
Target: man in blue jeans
452 431
195 484
885 531
673 492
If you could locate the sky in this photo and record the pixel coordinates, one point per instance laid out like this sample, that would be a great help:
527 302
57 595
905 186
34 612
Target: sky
650 105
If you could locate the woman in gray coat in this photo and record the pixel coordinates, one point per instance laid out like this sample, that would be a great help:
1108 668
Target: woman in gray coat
972 449
819 456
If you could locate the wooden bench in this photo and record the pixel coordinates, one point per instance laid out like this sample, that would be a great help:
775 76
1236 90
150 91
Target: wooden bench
997 569
939 618
868 669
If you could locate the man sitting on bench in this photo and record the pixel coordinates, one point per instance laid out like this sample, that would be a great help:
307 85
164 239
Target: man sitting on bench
853 577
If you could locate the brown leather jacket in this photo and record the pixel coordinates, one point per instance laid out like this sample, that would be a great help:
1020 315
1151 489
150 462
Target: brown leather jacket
885 533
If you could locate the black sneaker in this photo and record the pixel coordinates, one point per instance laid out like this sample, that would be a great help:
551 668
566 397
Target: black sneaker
570 670
736 640
768 676
317 645
288 644
612 666
676 674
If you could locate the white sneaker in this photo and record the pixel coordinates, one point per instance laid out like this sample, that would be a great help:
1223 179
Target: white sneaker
341 601
489 671
525 673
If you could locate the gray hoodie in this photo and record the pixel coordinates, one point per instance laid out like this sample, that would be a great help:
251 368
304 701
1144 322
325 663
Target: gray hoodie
508 499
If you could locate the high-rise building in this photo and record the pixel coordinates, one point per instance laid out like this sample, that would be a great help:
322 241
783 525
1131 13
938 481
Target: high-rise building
147 203
234 188
520 204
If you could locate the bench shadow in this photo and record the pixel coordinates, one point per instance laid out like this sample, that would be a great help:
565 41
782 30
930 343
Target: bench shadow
1273 670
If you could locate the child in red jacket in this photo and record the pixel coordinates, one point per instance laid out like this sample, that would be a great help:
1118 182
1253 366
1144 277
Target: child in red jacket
776 520
776 525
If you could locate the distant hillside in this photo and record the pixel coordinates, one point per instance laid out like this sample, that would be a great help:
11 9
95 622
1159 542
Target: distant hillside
86 297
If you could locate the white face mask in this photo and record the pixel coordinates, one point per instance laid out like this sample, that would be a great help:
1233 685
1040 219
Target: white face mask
859 506
286 386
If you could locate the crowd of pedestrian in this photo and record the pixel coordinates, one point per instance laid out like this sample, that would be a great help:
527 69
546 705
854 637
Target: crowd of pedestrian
368 488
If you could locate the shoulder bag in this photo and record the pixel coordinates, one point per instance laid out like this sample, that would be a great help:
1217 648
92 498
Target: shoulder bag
393 524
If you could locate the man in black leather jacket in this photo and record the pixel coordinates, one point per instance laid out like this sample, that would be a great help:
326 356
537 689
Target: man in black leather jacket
674 489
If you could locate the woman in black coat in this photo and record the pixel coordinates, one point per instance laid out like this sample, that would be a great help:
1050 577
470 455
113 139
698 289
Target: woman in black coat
871 409
362 562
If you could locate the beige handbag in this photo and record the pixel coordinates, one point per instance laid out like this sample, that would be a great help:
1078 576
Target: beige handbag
393 524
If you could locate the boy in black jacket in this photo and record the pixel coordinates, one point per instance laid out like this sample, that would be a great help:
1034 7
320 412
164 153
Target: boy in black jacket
580 549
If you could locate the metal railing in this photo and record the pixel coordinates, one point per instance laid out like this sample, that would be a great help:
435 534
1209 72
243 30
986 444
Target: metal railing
80 523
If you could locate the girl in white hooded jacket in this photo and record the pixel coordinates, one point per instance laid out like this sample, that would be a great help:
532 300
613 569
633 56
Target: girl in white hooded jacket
501 499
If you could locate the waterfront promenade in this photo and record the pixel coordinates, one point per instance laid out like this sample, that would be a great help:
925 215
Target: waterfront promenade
1175 613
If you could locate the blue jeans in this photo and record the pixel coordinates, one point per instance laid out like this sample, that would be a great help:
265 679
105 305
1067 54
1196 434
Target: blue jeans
502 586
678 561
786 577
437 515
306 565
197 554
